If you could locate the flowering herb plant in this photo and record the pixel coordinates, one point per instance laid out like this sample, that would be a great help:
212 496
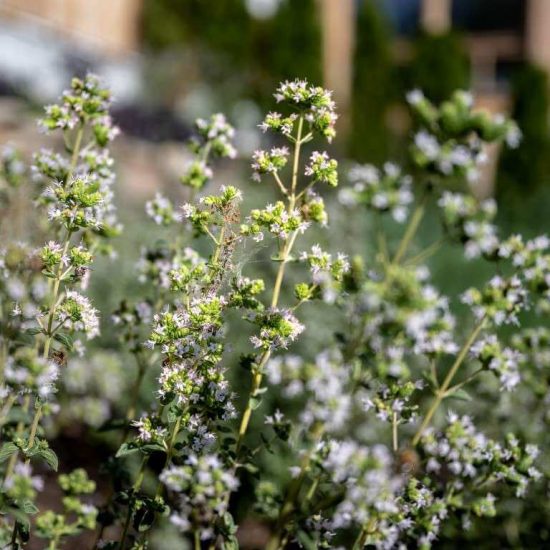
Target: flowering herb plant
368 449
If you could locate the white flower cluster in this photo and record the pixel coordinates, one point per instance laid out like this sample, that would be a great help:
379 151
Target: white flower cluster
393 403
500 301
322 387
160 210
76 313
386 190
409 318
271 162
214 140
26 373
276 219
217 132
201 485
322 169
314 102
466 454
150 430
278 328
322 265
469 222
451 140
503 361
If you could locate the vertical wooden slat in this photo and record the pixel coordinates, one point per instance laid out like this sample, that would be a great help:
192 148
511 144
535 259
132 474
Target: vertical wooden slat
338 24
435 16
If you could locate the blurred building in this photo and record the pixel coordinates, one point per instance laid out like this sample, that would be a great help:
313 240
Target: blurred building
109 26
498 35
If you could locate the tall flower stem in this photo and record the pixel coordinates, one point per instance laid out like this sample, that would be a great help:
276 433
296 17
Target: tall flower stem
395 440
173 437
51 313
291 499
411 230
18 433
57 284
284 257
442 391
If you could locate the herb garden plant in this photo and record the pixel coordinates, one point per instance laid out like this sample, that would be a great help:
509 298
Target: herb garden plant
372 451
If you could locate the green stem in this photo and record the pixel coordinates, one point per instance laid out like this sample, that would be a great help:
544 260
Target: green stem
7 408
427 252
296 164
285 254
291 499
18 433
173 437
57 284
410 232
136 487
131 411
395 441
125 528
465 381
141 474
442 391
258 375
219 243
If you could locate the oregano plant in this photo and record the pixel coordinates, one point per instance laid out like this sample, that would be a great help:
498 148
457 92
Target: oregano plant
234 417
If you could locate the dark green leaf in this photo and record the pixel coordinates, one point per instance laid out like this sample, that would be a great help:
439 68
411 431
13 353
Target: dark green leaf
7 450
461 395
28 507
126 449
65 339
50 457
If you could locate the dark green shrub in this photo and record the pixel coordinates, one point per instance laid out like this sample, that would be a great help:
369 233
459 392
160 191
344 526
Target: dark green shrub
372 86
527 169
440 65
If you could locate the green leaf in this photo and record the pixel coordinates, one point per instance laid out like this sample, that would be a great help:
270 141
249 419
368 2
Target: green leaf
143 519
50 457
461 395
33 331
49 274
65 339
7 450
267 443
126 449
251 468
28 507
306 541
152 448
254 402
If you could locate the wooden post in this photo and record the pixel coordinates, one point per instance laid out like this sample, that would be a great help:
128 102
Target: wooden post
537 35
338 25
109 26
435 16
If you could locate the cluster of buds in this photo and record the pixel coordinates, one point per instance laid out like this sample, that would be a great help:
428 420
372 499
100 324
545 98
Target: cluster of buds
201 485
214 140
500 301
386 190
469 222
276 219
452 135
502 361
